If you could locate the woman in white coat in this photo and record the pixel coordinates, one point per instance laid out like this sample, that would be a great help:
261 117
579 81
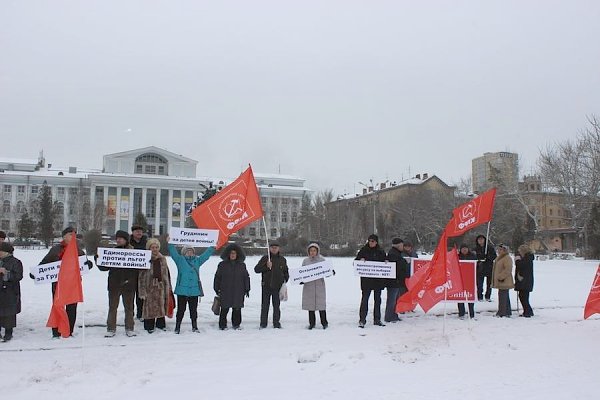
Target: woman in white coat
314 293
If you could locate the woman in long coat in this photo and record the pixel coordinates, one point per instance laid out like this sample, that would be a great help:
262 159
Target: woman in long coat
524 278
231 283
502 280
11 272
313 293
154 287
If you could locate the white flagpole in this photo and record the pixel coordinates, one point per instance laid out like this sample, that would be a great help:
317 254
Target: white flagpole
487 237
445 300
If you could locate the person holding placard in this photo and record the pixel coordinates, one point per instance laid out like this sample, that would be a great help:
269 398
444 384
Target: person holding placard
56 253
274 270
122 283
231 283
371 251
154 286
314 296
11 273
188 287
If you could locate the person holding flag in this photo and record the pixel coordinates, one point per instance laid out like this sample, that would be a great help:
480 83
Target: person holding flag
274 270
56 253
485 260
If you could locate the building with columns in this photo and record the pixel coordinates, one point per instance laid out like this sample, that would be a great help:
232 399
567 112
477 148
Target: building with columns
152 181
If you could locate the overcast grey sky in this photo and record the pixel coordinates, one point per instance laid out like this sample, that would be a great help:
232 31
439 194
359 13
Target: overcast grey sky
333 91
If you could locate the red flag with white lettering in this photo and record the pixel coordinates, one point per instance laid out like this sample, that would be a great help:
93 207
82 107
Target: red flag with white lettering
433 294
592 305
472 214
235 206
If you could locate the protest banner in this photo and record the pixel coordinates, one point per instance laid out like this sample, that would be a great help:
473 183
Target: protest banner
374 269
123 258
193 237
312 272
48 273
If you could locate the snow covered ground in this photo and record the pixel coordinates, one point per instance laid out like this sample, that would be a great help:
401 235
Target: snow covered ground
551 356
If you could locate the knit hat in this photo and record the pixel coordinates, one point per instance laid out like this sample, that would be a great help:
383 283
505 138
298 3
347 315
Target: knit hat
463 245
184 249
274 244
2 234
408 243
68 229
397 240
7 247
374 237
315 245
136 227
122 235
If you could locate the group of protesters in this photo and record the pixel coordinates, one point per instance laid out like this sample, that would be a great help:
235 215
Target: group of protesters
151 291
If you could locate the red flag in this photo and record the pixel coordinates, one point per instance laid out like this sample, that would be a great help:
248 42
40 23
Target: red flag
433 294
592 305
471 214
68 289
235 206
409 300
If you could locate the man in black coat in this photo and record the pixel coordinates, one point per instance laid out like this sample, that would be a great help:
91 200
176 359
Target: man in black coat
138 241
396 287
11 273
485 262
371 251
275 273
122 283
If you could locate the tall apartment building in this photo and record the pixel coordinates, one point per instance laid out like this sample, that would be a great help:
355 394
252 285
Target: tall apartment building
499 170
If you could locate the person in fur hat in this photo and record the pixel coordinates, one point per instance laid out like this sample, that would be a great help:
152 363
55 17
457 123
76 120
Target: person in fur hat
154 286
314 296
188 288
122 283
231 283
11 273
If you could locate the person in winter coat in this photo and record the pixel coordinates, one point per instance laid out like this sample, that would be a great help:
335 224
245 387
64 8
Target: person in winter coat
2 236
122 283
314 295
466 254
11 273
396 287
502 280
275 273
371 251
154 286
188 288
231 283
56 253
485 259
524 278
138 241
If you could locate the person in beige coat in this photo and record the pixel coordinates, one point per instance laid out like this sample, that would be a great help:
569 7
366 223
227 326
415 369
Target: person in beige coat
154 286
314 295
502 279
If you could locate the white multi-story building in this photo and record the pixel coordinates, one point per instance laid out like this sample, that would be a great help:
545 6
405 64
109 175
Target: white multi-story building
152 181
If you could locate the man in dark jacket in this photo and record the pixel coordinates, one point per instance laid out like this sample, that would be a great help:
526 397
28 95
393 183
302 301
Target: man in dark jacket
371 251
122 283
275 273
11 272
396 287
138 241
56 254
466 254
485 262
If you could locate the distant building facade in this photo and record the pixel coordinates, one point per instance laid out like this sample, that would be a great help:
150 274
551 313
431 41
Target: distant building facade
499 170
152 181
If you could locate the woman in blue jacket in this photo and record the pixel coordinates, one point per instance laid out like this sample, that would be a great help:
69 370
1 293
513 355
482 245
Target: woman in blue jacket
188 287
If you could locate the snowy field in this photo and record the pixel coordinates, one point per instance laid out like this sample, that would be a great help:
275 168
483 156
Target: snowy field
551 356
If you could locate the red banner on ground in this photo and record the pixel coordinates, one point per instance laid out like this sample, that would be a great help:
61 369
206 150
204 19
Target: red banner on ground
592 305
